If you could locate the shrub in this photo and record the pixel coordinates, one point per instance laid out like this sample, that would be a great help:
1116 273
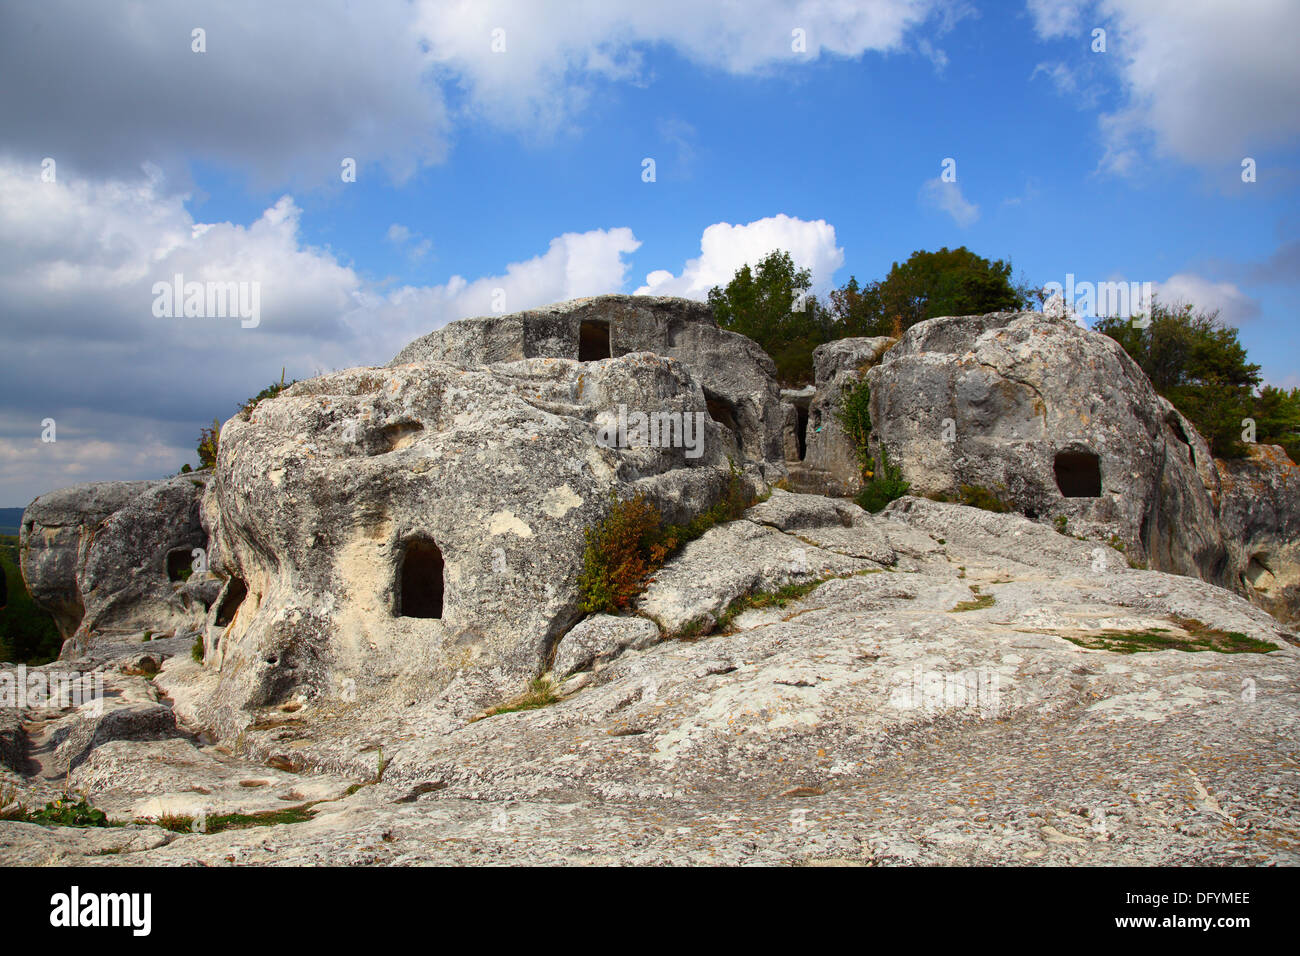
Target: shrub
64 813
885 484
625 548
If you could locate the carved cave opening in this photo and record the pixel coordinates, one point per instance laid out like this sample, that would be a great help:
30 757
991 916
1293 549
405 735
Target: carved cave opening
593 341
1078 474
420 587
236 591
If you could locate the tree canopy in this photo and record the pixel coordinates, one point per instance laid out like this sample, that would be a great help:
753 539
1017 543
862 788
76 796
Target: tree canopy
1195 360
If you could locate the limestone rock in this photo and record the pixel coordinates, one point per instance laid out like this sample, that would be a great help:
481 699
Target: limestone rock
57 531
1056 421
1259 512
831 460
737 376
598 639
416 532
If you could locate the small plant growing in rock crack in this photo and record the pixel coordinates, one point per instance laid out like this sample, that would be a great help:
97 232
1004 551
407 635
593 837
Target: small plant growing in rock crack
65 812
196 651
854 416
542 691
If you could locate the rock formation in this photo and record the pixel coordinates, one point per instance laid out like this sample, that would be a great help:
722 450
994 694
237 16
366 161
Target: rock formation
394 556
1055 421
738 377
417 531
949 700
116 555
1259 512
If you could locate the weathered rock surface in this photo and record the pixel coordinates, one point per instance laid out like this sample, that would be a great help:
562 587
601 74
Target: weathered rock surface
868 722
115 556
1056 421
738 377
1259 511
831 460
350 505
57 531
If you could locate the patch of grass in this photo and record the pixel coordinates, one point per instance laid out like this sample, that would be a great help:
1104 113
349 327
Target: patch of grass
541 692
178 823
1199 637
631 542
1061 522
976 496
978 603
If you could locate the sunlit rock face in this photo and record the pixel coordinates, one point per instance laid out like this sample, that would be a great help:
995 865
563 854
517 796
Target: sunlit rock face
1057 422
738 378
417 531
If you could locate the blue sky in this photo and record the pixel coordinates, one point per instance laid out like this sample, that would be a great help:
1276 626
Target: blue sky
520 169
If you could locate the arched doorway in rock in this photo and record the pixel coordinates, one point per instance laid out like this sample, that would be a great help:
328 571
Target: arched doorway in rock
420 580
593 341
1078 474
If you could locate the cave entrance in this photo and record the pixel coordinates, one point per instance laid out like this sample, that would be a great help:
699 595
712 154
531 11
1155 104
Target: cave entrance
421 580
179 564
1078 474
593 341
724 413
236 591
801 432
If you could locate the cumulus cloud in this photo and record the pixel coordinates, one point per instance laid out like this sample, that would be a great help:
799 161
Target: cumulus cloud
1202 81
284 90
548 54
1234 306
127 389
724 248
947 197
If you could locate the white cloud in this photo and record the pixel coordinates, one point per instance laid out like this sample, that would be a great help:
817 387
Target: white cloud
554 52
724 248
284 91
128 390
1203 81
1056 18
947 197
1235 306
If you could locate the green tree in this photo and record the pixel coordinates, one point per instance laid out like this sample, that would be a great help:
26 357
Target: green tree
1277 419
1194 359
773 305
948 282
27 633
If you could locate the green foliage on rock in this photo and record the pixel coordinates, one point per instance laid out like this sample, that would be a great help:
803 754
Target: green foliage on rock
631 542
